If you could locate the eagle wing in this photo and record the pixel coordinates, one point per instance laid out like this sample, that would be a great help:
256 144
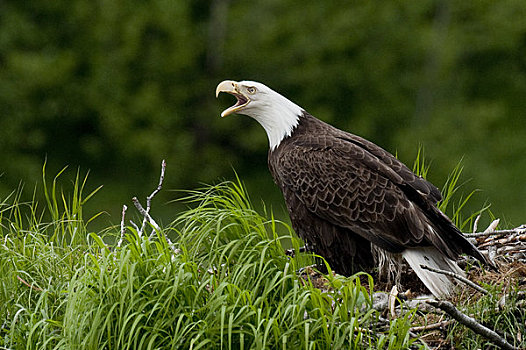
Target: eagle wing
341 181
419 184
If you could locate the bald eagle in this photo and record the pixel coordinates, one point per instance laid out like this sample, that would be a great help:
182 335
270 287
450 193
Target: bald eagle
347 196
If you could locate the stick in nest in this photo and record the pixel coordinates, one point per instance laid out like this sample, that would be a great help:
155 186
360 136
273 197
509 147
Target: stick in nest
471 323
430 327
518 230
458 277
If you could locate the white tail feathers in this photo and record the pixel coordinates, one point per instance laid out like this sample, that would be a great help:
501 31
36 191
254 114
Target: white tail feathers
440 285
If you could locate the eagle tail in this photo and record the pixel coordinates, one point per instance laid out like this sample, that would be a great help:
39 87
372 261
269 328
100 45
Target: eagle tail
440 285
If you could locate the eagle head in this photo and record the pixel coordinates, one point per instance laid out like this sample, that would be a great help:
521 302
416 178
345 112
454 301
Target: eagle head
278 115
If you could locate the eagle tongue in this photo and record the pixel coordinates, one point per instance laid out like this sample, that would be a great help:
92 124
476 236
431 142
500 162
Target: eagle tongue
241 100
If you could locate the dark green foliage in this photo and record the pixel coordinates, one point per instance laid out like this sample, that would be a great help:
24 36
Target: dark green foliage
115 86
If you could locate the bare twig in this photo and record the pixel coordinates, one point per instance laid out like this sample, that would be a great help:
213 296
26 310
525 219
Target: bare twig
508 245
520 229
431 326
159 186
471 323
147 217
492 226
458 277
123 226
145 214
503 240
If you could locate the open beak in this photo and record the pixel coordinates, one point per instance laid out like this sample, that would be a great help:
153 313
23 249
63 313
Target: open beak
231 87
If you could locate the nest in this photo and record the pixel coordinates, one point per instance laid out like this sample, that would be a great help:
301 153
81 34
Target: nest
506 249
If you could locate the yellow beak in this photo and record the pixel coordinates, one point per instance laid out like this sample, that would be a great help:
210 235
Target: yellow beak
227 86
232 87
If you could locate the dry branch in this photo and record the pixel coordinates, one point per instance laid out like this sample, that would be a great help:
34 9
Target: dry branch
123 226
431 327
520 229
456 276
149 198
145 212
509 245
471 323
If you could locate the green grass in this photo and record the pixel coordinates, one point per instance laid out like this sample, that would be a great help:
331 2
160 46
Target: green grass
509 320
453 201
223 283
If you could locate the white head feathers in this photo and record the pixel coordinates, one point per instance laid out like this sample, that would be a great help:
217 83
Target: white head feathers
278 115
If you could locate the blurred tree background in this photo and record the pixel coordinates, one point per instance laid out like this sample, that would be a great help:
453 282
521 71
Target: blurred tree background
114 87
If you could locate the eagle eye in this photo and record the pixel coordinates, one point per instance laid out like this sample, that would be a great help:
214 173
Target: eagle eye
251 90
